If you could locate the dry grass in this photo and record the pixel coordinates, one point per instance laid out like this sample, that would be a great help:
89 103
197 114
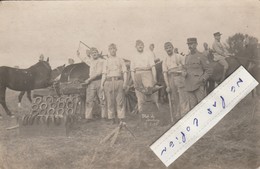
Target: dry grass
231 144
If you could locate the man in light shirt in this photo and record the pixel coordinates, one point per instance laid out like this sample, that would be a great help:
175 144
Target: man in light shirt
94 91
143 73
114 82
220 53
151 47
172 72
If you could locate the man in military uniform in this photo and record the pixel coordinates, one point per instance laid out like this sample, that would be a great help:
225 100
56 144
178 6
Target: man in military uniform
143 73
196 73
114 82
94 91
172 66
220 53
206 49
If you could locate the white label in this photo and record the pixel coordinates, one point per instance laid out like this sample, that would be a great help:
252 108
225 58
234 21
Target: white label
203 116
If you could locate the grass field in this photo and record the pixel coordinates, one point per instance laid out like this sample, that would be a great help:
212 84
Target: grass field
232 144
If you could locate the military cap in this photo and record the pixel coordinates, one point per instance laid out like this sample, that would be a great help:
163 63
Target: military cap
93 50
112 45
217 34
191 40
139 42
167 44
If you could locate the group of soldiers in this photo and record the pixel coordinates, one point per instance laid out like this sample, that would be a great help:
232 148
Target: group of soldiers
185 78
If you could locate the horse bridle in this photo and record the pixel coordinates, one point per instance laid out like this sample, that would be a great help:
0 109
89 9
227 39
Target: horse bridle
60 71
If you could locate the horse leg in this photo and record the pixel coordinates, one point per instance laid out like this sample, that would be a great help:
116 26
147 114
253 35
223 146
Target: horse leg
6 109
29 95
20 98
210 86
2 100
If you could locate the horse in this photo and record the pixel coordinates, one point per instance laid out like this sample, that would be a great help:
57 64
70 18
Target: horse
54 74
36 76
242 57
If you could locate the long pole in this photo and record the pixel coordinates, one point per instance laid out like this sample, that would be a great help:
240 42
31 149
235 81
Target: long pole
84 44
170 105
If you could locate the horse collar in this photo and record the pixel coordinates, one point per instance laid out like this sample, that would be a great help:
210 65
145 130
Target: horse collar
45 64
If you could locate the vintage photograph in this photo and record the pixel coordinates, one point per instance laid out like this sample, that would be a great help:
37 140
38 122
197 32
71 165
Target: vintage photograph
93 84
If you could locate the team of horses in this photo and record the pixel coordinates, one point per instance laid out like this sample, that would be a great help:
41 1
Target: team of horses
41 75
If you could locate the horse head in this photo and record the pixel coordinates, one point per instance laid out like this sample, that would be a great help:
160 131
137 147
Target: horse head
57 71
41 72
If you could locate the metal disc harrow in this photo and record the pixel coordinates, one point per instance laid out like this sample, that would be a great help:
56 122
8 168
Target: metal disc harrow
49 109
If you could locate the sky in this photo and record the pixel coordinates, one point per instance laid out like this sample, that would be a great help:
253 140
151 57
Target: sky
54 28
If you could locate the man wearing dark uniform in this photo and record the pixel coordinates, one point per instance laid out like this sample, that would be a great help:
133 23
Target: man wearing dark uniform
196 73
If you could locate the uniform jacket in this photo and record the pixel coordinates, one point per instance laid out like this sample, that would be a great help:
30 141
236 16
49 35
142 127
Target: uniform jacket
219 48
198 71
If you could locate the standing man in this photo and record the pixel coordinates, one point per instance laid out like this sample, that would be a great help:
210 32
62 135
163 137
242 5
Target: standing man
114 82
172 72
206 49
143 74
176 50
94 91
196 74
220 53
151 47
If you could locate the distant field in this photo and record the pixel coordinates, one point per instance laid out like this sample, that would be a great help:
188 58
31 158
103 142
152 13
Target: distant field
232 144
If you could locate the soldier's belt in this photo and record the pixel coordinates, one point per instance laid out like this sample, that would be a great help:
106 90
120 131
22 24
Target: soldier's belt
114 78
174 73
143 69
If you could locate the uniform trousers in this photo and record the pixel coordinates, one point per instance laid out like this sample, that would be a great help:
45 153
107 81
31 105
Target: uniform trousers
94 96
115 98
194 97
178 96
